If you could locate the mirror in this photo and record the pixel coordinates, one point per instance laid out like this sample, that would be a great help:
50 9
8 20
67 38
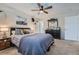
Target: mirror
53 23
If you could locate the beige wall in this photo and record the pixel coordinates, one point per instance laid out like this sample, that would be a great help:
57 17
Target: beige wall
10 21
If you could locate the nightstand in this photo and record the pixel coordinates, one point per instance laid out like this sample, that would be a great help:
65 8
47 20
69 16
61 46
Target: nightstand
5 43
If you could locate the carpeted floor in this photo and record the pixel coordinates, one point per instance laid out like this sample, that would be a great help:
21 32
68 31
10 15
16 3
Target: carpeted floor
61 47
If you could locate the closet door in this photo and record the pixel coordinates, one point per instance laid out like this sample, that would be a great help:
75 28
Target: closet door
71 28
78 28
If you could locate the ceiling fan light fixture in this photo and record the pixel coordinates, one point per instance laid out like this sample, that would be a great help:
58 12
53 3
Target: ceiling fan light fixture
41 11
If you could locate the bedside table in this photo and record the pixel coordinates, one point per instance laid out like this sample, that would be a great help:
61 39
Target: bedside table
5 43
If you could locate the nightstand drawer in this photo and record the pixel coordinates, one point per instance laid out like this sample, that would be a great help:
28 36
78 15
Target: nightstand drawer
5 43
8 44
2 46
1 42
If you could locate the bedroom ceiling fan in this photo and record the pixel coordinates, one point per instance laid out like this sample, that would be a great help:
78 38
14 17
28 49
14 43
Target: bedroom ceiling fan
42 8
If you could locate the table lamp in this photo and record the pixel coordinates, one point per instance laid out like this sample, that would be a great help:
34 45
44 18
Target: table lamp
4 30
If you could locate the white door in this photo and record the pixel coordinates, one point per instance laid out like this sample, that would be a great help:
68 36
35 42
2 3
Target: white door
40 27
71 28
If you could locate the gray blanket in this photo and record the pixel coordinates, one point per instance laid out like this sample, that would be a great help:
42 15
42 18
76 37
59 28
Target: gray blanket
36 44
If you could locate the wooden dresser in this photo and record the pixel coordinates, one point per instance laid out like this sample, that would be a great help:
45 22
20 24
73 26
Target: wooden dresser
5 43
55 33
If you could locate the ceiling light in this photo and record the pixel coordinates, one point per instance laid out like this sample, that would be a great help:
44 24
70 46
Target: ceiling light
41 11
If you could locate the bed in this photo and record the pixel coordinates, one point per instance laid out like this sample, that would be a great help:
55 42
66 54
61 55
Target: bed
32 43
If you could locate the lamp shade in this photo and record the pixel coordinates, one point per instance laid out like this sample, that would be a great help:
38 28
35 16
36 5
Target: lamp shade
4 29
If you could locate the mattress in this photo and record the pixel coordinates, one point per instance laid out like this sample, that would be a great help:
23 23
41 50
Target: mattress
15 39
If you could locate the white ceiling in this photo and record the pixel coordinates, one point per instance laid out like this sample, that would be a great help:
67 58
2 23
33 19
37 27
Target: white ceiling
64 9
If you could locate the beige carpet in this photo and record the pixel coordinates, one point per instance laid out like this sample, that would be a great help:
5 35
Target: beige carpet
61 47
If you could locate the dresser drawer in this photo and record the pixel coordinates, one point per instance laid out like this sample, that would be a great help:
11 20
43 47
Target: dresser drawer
55 33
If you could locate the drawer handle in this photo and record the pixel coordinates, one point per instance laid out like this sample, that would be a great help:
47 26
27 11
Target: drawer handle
5 40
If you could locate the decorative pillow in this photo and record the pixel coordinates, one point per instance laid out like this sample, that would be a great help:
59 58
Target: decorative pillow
18 32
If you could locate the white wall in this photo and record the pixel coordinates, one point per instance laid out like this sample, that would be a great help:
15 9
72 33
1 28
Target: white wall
61 21
2 18
61 24
10 21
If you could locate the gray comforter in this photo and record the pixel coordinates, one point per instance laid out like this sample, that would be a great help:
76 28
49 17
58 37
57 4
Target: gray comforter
36 44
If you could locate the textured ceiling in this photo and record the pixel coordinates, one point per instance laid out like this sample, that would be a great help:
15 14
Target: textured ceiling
65 9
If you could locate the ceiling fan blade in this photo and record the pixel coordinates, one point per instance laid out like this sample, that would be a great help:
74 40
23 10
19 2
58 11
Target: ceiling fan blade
1 11
45 11
49 7
39 5
35 10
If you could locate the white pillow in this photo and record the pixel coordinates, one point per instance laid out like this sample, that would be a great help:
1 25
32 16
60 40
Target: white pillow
13 32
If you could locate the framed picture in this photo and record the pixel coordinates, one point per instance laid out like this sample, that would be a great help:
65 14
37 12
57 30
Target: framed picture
21 23
21 20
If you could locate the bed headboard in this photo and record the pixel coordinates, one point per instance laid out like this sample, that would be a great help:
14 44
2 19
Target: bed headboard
14 28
